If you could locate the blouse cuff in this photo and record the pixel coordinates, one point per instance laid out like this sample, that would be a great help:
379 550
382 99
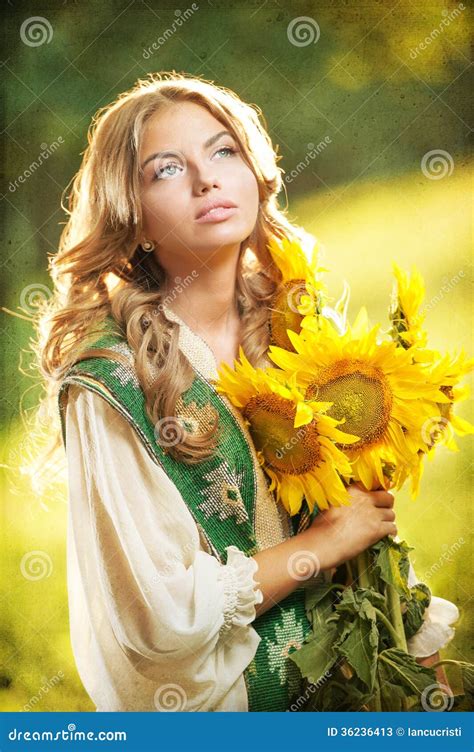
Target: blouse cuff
240 592
435 632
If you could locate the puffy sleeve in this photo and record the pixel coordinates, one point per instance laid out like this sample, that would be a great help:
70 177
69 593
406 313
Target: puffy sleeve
436 630
160 605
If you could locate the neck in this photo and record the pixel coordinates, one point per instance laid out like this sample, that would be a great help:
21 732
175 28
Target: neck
204 298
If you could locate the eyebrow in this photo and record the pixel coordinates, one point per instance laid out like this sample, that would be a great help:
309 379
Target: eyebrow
169 152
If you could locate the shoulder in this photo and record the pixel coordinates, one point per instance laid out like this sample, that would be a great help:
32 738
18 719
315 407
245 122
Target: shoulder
88 407
108 358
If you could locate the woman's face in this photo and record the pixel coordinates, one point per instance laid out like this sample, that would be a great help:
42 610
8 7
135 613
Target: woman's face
177 184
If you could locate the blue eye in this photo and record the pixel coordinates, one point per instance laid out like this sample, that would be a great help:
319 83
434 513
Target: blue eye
228 149
161 174
161 171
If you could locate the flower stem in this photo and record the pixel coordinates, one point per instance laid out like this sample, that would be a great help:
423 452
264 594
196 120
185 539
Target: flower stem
377 701
395 613
445 661
337 586
350 575
393 633
363 569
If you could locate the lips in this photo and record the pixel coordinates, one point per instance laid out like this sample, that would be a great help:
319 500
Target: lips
218 202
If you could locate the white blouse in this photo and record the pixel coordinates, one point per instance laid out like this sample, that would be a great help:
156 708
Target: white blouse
157 622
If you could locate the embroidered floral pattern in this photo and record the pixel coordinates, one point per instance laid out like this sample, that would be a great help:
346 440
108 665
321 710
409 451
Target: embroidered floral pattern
222 496
289 634
124 375
196 419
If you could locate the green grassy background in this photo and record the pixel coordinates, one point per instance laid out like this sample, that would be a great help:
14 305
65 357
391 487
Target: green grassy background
364 197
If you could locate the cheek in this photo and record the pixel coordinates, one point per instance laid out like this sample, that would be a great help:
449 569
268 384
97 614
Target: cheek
150 209
249 189
160 212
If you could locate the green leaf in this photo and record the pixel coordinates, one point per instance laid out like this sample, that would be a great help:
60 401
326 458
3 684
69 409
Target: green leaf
334 695
319 607
400 675
392 563
464 675
352 600
316 593
393 696
461 704
419 600
360 644
317 655
467 673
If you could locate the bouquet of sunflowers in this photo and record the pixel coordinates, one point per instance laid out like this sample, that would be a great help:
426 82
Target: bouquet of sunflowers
344 404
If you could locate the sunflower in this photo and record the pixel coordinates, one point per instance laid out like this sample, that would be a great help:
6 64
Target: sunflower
405 314
300 292
444 372
436 430
294 440
376 389
446 375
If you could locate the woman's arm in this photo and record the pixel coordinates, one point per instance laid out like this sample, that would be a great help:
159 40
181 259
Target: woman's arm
283 568
335 535
148 605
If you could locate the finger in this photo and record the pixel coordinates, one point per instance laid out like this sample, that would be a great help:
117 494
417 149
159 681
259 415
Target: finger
389 528
383 498
388 515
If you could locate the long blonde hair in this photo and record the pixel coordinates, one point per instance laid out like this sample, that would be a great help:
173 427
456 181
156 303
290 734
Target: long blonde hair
100 268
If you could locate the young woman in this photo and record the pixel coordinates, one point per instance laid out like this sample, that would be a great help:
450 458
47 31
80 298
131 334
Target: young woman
181 593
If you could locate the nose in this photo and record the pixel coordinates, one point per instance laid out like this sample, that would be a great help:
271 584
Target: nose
205 180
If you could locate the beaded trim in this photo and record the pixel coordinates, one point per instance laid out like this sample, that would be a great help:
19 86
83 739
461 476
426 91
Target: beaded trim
271 521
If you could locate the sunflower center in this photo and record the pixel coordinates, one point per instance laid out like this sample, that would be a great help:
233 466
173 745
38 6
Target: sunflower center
285 448
361 394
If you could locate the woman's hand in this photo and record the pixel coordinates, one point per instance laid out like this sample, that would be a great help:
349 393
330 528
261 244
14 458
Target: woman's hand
336 535
340 533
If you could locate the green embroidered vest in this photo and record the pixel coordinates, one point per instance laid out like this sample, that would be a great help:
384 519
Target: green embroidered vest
221 494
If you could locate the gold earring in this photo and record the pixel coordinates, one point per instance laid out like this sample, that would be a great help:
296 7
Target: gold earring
148 245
